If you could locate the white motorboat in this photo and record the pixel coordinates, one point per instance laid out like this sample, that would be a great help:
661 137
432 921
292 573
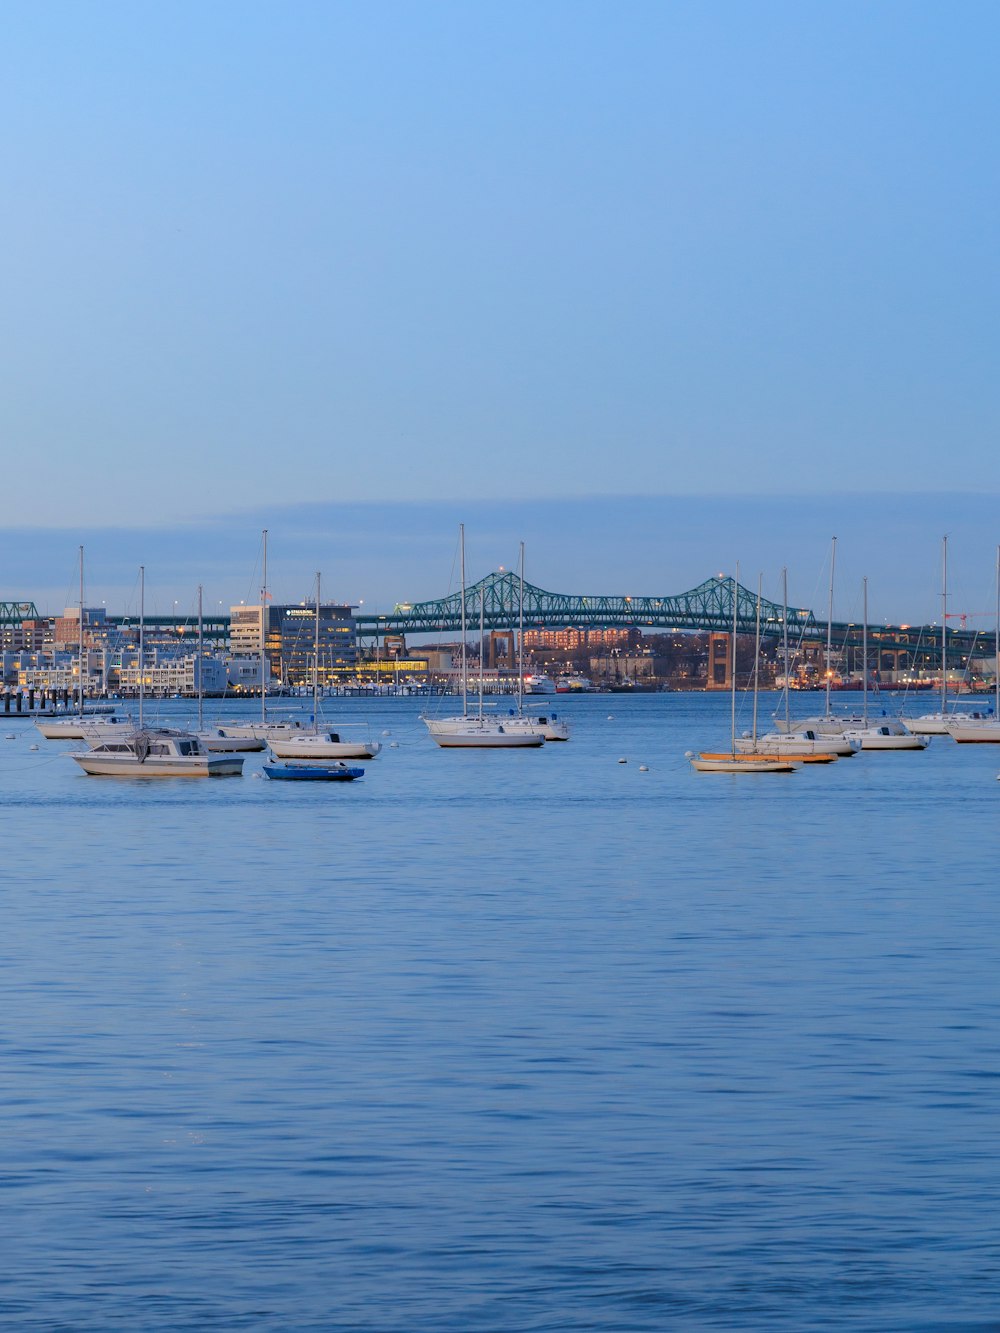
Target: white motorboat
537 683
156 754
571 684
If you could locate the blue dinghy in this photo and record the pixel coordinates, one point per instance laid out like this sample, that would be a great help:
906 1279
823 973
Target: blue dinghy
312 772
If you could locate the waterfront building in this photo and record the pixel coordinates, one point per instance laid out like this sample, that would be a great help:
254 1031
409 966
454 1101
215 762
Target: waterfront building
287 636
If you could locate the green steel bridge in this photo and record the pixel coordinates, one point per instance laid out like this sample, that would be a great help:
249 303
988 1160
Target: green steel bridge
707 608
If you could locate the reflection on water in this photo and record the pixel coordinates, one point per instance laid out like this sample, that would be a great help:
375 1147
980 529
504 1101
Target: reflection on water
518 1040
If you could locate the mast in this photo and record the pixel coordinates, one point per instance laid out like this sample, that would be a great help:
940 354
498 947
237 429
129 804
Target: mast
316 663
482 646
142 627
784 621
264 625
756 662
732 663
520 640
80 663
201 663
864 649
829 627
996 645
944 624
465 651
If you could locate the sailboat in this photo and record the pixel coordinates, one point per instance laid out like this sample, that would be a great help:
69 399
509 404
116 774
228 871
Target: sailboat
551 727
881 736
87 723
214 739
734 761
804 745
154 753
320 743
983 730
476 732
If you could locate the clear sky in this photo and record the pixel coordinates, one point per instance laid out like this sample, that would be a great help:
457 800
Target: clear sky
260 256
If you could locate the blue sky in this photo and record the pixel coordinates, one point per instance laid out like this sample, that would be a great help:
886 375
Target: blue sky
440 260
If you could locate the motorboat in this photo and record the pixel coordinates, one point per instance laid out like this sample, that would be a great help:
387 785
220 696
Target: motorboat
574 685
537 683
156 754
311 772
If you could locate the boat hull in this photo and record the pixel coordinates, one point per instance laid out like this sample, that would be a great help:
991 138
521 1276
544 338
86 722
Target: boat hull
195 766
741 763
321 747
312 772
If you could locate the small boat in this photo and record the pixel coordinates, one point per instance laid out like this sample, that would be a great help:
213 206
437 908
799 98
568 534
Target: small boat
311 772
804 745
742 763
217 742
887 738
82 726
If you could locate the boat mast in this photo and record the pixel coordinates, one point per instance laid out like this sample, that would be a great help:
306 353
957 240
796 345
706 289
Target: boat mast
784 621
80 663
864 650
201 663
482 646
142 626
264 625
732 663
996 645
829 627
465 650
944 624
316 663
756 662
520 640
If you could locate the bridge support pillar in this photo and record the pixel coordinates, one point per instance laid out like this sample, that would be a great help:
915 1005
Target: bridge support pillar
720 662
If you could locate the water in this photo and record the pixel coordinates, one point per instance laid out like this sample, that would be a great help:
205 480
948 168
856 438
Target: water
506 1040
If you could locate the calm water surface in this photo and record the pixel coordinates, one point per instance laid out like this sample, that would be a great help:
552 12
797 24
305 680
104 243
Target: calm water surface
525 1040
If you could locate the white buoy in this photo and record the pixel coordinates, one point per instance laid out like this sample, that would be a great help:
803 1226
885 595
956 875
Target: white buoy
394 745
32 747
643 768
386 733
623 761
611 717
10 737
259 775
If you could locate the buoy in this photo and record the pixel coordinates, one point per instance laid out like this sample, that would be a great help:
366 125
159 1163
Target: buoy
11 737
32 747
386 733
611 717
394 745
259 775
623 761
643 768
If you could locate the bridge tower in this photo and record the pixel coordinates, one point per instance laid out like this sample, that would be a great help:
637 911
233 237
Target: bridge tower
502 650
720 662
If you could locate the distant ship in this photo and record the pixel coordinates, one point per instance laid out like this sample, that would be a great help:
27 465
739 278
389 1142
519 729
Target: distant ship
573 685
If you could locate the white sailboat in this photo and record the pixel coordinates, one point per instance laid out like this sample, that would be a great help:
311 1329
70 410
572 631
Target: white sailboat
881 736
214 739
86 723
983 730
736 761
548 725
804 745
320 743
480 732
